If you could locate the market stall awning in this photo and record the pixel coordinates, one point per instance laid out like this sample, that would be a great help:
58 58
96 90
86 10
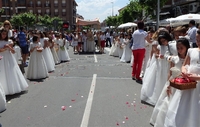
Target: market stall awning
82 22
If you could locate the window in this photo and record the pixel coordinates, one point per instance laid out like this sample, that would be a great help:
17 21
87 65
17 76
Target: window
56 3
47 4
63 10
39 11
47 11
63 3
38 3
31 11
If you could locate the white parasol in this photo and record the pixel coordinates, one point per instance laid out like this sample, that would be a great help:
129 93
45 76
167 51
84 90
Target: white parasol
185 19
128 24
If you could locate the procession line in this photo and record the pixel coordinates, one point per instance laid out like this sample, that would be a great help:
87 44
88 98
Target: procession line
86 115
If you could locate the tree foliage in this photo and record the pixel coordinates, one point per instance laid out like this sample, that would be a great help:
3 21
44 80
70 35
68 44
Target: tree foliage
134 11
29 19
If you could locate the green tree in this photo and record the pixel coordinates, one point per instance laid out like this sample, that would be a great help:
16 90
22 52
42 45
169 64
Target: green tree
151 5
16 20
28 19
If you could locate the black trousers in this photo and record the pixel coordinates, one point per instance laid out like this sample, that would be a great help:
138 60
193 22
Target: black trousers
108 41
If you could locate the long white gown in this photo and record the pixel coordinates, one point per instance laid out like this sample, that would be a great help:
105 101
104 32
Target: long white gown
11 77
127 52
161 107
90 43
55 55
120 47
184 109
155 78
63 54
48 57
2 99
115 49
37 68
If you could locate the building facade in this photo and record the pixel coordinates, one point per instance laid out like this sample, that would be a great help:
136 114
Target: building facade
174 8
65 9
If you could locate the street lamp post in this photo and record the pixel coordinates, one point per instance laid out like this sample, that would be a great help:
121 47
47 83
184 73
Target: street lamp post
5 9
112 8
158 13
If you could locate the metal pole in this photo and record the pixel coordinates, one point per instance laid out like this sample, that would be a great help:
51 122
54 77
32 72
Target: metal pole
5 9
158 13
112 8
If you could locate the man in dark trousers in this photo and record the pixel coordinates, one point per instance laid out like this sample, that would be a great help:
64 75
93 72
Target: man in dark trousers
23 45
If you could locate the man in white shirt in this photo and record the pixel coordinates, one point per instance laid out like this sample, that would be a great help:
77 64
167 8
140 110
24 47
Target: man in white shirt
138 49
191 33
108 39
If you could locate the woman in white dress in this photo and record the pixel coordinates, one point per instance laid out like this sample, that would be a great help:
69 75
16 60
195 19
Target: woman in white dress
161 107
90 42
2 96
74 42
184 109
37 68
7 25
63 54
115 49
48 57
53 50
113 45
127 52
11 77
156 74
120 45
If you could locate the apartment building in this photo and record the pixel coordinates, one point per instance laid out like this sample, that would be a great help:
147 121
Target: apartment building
175 8
65 9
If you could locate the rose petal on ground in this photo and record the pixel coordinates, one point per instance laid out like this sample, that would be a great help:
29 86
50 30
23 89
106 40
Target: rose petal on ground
9 102
123 121
70 106
126 118
63 107
127 103
73 100
28 118
45 106
117 124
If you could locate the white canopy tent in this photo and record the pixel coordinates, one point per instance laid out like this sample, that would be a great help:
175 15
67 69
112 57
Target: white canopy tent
165 22
185 19
128 24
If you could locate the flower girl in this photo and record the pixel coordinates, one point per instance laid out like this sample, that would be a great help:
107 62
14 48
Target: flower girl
159 112
11 77
37 68
184 108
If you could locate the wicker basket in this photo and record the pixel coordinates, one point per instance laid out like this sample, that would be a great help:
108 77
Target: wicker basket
184 85
39 49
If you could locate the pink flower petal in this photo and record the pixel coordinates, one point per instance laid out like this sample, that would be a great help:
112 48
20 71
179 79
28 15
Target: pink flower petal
127 103
63 107
126 118
73 100
117 124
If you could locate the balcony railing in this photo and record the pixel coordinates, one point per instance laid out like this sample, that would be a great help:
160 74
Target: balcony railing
56 13
64 13
55 4
63 4
47 5
38 5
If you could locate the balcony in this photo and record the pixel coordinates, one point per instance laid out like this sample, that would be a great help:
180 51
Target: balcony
178 2
63 4
38 5
56 13
47 5
55 4
64 13
30 5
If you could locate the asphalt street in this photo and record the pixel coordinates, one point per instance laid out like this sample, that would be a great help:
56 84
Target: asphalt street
92 90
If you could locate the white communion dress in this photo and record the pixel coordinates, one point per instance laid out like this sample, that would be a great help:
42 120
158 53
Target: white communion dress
37 68
11 77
